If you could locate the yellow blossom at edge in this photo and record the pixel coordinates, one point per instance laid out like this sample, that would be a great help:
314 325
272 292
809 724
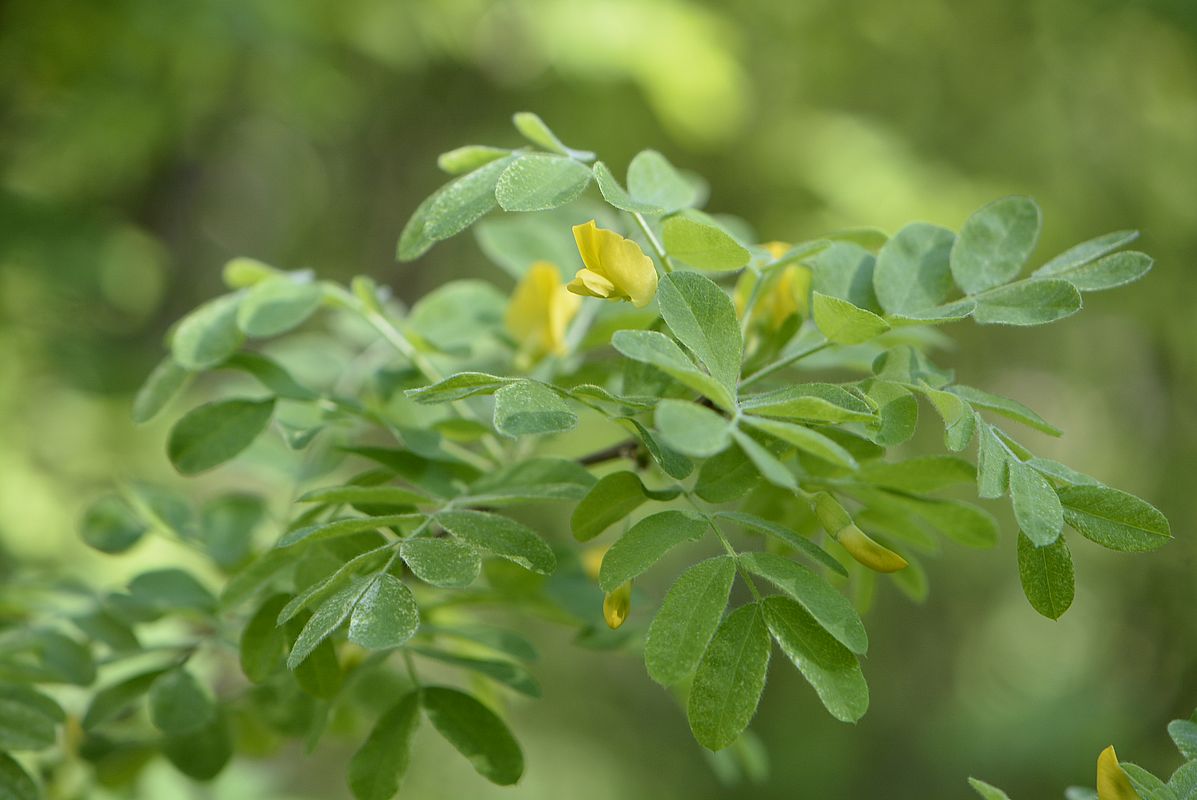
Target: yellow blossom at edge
540 311
616 268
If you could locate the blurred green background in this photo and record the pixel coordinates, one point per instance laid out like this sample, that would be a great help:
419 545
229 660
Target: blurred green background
144 143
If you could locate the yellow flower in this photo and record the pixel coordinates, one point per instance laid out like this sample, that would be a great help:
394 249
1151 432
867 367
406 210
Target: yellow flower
616 604
539 312
1112 783
786 291
616 268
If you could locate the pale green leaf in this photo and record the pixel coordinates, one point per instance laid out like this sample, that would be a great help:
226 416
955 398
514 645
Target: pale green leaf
1086 252
1036 506
687 620
271 375
277 305
786 536
528 408
827 665
993 470
703 318
814 402
508 673
692 429
1184 735
379 765
164 383
1032 303
805 439
336 529
385 615
653 181
208 335
442 562
994 243
502 536
214 433
365 495
918 475
468 158
912 272
769 466
611 499
538 182
1011 409
110 525
831 609
730 678
1110 272
646 542
701 242
327 617
476 732
538 132
112 700
986 791
619 197
845 270
458 387
179 704
1114 519
1046 575
461 202
843 323
658 350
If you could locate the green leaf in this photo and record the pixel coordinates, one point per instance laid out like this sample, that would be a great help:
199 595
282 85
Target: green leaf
528 408
831 609
784 534
815 402
110 525
691 429
171 589
203 753
263 641
961 522
949 312
227 525
1033 303
28 719
365 495
458 387
730 678
328 616
1036 505
342 527
703 318
214 433
843 323
1086 252
1146 785
442 562
109 702
538 182
15 783
845 270
164 383
379 765
1114 519
699 241
653 181
1110 272
646 542
320 673
179 704
415 240
469 157
658 350
919 475
912 272
1012 409
270 374
508 673
619 197
385 616
502 536
687 620
208 335
986 791
993 465
611 499
994 243
476 732
804 439
1046 575
277 305
1183 781
726 477
769 466
826 664
1184 735
536 131
455 207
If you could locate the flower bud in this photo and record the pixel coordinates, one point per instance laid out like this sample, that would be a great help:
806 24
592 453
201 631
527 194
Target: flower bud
868 552
1112 783
616 605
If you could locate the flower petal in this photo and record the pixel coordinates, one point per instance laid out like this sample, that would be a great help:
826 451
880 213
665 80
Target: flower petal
586 235
628 267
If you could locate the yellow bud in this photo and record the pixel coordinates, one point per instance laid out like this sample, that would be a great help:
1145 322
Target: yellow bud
868 552
1112 783
617 604
831 514
592 560
777 249
539 312
616 268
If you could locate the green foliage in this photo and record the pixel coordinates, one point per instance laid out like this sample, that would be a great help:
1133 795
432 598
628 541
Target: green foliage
426 493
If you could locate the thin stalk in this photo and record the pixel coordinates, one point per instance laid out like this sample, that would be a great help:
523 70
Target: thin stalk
662 256
765 372
752 300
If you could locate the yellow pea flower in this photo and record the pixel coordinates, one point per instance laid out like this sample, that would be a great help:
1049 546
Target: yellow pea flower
616 268
539 312
616 604
592 560
786 292
868 552
1112 783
